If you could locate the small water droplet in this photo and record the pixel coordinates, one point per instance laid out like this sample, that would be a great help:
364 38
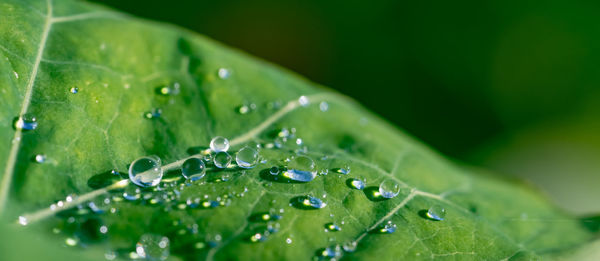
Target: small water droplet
169 90
323 106
307 202
222 159
146 171
70 241
246 157
388 228
331 253
303 100
223 73
332 227
301 168
110 255
153 247
131 193
349 246
74 90
218 144
389 188
436 212
193 168
288 240
40 158
153 114
355 183
23 221
344 170
26 122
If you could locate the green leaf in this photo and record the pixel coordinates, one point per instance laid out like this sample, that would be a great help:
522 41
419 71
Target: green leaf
90 76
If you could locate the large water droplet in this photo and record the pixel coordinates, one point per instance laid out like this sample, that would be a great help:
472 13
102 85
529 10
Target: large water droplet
153 247
193 168
25 123
219 143
146 171
389 188
301 168
222 159
246 157
355 184
436 212
307 202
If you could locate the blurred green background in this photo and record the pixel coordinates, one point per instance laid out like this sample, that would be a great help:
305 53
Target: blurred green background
509 85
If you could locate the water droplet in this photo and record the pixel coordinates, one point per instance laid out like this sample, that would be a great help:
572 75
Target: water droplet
193 168
146 171
388 228
110 255
331 252
23 221
154 113
219 143
301 169
153 247
355 184
349 246
246 157
25 123
332 227
344 170
222 159
74 90
307 202
303 100
323 106
131 193
70 241
436 212
274 170
169 90
223 73
288 240
40 158
389 188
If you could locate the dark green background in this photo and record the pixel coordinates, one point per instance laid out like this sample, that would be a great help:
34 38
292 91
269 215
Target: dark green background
510 85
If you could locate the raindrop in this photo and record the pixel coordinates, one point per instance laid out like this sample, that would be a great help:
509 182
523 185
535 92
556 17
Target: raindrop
307 202
355 184
246 157
218 144
153 247
301 169
222 159
349 246
154 113
323 106
25 123
303 100
74 90
146 171
389 188
436 212
332 227
193 168
330 252
344 170
388 228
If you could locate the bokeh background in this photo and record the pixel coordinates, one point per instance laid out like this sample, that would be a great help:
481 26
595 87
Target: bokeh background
508 85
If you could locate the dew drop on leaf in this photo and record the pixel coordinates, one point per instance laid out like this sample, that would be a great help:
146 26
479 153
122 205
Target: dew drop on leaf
153 114
74 90
26 122
222 159
146 171
355 183
39 158
246 157
323 106
193 168
344 170
303 100
332 227
274 171
218 144
169 90
349 246
153 247
389 188
436 212
301 168
223 73
388 228
308 202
